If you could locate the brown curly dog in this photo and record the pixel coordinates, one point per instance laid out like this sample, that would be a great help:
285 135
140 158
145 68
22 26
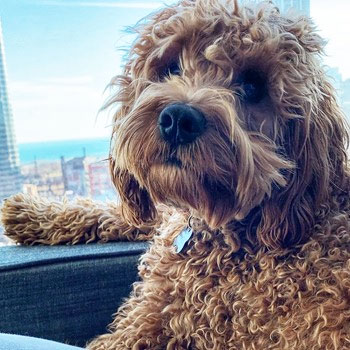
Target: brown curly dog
228 143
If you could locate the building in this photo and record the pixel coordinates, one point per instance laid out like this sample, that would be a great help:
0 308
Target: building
100 181
299 5
30 189
43 179
75 175
345 98
302 6
10 176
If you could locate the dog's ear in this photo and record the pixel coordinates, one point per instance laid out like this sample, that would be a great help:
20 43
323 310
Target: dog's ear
137 208
317 144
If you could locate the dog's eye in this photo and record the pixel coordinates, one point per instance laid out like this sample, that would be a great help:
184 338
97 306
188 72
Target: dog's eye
253 86
173 68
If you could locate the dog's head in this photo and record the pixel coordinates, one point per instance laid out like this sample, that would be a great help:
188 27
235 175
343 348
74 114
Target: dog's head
225 111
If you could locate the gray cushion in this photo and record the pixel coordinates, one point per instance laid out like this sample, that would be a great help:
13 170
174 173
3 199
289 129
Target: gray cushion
65 293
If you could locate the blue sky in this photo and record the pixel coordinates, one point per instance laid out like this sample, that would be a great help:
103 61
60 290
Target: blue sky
62 53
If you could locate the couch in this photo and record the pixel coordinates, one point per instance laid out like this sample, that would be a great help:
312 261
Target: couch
65 293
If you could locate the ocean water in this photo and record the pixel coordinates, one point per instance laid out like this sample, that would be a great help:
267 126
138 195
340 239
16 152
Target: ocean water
53 150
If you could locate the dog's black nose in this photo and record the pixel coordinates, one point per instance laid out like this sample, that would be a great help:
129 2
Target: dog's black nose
180 124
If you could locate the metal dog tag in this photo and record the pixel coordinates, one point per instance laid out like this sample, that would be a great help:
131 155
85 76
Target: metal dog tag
181 240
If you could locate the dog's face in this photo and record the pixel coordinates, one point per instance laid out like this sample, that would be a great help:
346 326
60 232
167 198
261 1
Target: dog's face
225 110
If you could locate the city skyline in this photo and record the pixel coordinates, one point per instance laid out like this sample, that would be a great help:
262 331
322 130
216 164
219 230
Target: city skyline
62 55
10 181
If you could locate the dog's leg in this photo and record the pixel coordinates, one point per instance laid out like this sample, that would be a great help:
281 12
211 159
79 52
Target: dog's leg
139 323
30 220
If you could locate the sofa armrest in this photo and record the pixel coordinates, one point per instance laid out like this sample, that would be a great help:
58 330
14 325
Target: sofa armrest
65 293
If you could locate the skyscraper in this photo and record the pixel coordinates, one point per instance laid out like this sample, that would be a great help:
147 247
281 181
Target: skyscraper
302 6
299 5
10 177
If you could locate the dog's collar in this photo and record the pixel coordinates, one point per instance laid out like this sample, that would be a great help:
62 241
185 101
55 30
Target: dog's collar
184 236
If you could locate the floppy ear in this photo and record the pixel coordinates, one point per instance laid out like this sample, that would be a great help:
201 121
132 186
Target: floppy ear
317 144
136 206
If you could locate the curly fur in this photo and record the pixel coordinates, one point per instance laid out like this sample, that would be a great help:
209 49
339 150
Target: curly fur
266 185
32 220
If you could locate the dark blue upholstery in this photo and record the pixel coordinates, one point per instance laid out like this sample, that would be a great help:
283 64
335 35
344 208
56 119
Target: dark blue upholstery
65 293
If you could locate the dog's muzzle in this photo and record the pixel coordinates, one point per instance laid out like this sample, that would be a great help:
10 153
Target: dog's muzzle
180 124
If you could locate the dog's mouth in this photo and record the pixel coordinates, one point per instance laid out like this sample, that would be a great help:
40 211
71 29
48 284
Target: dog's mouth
173 161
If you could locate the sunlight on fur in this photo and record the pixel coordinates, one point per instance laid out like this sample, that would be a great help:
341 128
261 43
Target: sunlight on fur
226 122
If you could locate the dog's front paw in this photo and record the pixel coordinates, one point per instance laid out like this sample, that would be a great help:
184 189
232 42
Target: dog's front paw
19 218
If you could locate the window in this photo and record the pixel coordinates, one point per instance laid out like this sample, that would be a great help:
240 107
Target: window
60 55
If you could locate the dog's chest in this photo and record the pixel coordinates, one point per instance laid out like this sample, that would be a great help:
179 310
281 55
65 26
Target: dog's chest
216 300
